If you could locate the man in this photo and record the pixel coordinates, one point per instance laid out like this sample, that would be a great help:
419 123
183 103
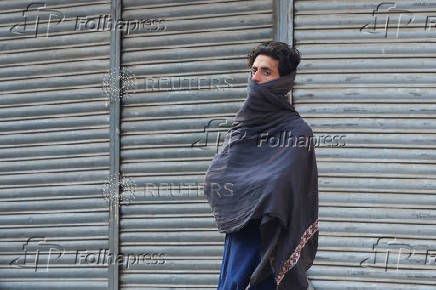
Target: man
271 216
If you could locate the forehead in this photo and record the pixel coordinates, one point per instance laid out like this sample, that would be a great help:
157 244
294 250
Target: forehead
263 60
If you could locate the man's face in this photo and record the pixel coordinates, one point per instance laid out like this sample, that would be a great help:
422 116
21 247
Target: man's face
265 69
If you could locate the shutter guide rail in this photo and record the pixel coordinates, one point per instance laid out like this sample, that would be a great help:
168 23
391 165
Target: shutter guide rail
114 212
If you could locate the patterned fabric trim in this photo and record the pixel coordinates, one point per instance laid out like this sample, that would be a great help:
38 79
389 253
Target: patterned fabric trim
293 259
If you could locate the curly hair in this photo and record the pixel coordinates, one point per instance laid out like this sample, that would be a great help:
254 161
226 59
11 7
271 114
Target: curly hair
288 57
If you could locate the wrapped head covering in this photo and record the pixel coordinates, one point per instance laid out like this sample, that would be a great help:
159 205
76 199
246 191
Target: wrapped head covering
266 169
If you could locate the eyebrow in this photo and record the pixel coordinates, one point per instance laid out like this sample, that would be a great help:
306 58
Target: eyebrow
263 68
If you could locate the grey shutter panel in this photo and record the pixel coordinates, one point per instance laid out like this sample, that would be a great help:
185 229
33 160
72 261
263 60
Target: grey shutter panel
54 148
376 87
208 39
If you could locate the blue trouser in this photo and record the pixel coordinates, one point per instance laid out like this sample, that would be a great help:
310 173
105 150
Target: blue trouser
240 258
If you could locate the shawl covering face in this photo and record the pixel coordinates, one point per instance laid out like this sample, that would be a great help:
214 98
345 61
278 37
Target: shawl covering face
266 169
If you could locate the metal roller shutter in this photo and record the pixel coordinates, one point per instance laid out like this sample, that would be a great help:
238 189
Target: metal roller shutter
367 73
54 146
161 121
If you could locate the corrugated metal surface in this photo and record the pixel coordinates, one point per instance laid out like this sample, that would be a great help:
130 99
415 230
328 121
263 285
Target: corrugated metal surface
165 116
374 84
54 146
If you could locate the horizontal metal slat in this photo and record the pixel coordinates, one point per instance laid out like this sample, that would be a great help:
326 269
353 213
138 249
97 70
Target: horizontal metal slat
385 185
377 229
66 243
368 50
65 284
56 165
52 219
195 39
363 95
21 4
404 34
192 95
366 21
45 111
58 178
377 275
188 110
59 69
54 124
346 283
41 152
55 55
51 192
379 80
60 204
171 238
177 223
176 252
189 53
164 209
169 279
380 199
323 153
199 10
189 68
213 24
52 83
75 40
342 125
359 6
184 141
133 4
57 231
62 137
367 65
52 97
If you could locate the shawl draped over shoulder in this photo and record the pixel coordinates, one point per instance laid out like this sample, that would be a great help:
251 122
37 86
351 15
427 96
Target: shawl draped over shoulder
266 169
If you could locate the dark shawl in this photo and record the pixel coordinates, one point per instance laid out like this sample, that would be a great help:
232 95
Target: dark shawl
266 169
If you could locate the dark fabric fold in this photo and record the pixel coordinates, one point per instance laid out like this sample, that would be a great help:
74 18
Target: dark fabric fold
267 169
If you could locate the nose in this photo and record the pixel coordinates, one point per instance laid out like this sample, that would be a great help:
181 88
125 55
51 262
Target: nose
256 77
